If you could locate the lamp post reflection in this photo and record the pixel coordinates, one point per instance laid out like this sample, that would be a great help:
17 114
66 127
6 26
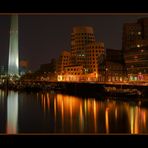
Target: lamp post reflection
62 112
71 119
55 113
95 116
81 122
12 113
107 120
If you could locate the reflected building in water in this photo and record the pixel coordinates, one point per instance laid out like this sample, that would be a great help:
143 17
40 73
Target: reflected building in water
78 115
50 112
72 114
12 113
3 112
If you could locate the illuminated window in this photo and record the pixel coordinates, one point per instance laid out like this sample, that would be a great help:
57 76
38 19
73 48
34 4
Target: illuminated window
135 78
142 50
138 45
131 78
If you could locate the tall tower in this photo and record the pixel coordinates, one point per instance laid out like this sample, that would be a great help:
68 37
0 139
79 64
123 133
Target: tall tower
13 64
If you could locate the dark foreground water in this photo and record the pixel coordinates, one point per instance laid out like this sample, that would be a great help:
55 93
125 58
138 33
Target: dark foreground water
50 112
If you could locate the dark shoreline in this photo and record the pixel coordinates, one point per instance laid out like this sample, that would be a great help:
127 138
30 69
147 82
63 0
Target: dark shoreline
77 89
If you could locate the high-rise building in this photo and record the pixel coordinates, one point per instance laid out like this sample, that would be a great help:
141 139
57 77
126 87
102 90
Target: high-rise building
135 49
80 37
131 35
93 53
144 23
81 62
112 67
13 63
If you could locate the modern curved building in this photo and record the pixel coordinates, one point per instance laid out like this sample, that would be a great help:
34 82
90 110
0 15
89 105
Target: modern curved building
80 37
13 61
81 62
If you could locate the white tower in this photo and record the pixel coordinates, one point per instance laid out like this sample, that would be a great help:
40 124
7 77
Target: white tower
13 64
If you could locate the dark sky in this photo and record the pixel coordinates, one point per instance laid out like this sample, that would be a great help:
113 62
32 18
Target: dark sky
42 37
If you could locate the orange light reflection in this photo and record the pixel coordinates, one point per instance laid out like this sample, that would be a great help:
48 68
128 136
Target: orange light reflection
95 120
106 120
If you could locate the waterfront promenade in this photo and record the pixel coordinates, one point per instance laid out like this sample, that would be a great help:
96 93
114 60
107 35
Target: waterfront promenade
84 88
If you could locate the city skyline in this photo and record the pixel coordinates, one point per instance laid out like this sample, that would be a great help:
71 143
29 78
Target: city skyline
43 37
99 80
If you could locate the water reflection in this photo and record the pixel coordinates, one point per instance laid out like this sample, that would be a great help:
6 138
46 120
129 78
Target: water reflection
3 113
2 97
106 120
138 119
90 115
49 112
12 112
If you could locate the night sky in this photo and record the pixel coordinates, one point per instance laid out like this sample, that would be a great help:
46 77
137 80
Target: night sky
43 37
